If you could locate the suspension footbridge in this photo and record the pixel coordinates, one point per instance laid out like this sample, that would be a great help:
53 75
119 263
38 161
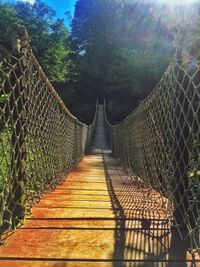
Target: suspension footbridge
98 195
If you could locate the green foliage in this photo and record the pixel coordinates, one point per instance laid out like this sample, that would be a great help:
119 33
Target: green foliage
49 35
4 157
120 50
4 97
117 49
8 15
56 57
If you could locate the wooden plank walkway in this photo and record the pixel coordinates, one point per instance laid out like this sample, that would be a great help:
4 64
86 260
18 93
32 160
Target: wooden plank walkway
97 217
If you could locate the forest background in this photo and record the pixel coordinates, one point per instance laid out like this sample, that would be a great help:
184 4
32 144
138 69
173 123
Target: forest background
114 49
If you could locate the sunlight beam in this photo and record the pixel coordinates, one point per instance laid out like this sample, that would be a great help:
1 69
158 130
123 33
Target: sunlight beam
177 2
29 1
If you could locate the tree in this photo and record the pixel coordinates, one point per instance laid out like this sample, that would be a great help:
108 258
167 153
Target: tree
8 15
119 51
49 37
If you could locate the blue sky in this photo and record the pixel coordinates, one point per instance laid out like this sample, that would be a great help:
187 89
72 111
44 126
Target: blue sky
60 6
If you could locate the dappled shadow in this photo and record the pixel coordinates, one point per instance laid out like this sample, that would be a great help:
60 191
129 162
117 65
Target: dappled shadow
144 235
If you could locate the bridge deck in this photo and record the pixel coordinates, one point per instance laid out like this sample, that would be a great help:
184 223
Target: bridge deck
97 217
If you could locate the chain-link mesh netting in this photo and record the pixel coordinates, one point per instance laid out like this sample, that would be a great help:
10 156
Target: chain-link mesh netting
159 142
40 141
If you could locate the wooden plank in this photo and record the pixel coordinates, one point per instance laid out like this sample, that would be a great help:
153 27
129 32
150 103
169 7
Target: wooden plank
22 263
78 223
71 213
77 203
60 244
70 223
95 244
75 197
93 223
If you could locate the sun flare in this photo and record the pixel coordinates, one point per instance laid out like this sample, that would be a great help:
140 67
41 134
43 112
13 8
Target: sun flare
29 1
178 2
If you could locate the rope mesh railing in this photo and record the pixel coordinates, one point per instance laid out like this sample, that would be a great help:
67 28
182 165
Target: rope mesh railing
40 141
108 128
159 142
91 128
